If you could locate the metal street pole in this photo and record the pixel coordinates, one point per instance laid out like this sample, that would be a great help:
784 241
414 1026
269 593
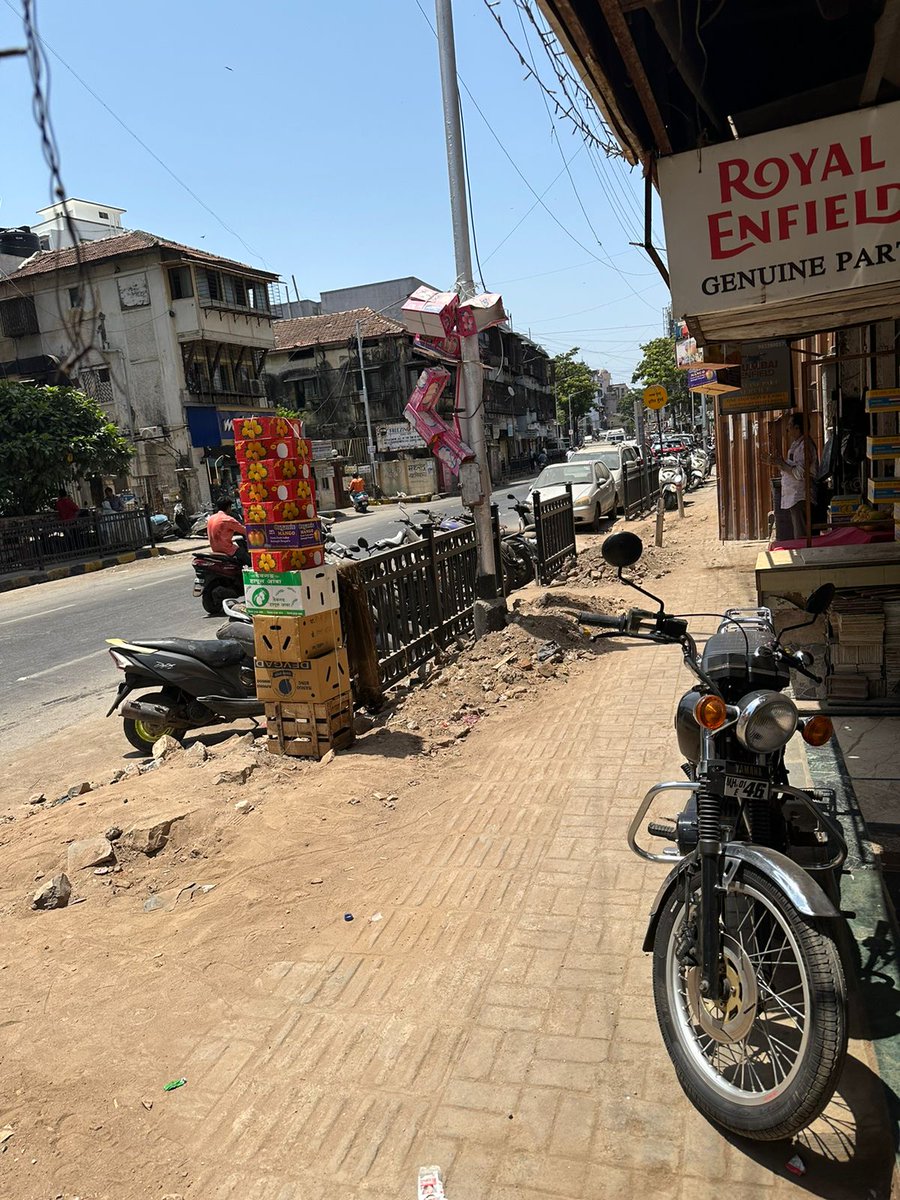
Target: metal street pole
370 445
475 480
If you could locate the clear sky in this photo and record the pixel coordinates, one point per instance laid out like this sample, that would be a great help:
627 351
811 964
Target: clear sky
314 131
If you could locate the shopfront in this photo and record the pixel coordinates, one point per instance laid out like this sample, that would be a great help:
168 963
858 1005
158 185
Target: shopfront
784 258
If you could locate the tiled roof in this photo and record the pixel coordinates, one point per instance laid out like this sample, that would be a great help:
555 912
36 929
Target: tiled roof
332 329
134 242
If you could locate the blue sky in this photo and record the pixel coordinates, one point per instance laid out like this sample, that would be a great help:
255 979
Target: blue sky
322 149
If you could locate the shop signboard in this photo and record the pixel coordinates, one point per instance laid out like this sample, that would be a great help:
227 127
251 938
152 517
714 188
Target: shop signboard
765 379
400 436
784 215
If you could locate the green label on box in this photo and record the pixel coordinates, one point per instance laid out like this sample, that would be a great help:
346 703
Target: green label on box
275 593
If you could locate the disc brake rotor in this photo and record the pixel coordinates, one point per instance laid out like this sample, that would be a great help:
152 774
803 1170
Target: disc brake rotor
729 1019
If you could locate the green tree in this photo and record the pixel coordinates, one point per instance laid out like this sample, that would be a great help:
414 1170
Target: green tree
574 385
50 437
625 408
658 366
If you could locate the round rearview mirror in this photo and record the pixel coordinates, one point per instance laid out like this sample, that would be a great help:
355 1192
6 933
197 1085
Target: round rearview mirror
820 600
511 496
363 543
622 549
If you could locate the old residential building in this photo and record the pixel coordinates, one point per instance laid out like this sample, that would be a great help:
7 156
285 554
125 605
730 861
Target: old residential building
314 369
170 340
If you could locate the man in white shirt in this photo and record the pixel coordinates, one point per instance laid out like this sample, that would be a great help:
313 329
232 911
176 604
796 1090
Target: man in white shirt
801 460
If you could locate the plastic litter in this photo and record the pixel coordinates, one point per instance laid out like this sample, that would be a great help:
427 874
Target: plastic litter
348 916
176 1083
431 1184
375 917
796 1165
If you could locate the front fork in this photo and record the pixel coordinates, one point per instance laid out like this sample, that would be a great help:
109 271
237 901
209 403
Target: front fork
709 846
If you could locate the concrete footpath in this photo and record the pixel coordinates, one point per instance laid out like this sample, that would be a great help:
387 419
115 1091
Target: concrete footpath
499 1021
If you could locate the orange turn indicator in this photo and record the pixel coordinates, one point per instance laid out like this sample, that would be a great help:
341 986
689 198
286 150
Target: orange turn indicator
711 712
817 730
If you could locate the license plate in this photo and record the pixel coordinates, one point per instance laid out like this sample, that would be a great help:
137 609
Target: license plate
739 787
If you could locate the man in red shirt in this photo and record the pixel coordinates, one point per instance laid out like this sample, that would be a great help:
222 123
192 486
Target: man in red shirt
66 508
221 528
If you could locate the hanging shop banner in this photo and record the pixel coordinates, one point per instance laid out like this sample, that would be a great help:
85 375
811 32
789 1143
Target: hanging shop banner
765 379
790 213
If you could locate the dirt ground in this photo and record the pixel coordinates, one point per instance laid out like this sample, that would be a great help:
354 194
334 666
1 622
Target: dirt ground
199 897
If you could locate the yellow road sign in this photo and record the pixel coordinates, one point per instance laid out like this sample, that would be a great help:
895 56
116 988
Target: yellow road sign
655 396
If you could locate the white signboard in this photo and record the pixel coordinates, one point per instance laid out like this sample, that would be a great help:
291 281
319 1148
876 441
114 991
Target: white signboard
401 436
810 209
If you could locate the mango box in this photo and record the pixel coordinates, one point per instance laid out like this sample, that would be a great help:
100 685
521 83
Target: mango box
291 593
265 469
248 450
287 560
284 535
309 682
296 639
266 427
297 497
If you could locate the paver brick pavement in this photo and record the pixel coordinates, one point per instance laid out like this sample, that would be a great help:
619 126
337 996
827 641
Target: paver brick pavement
499 1020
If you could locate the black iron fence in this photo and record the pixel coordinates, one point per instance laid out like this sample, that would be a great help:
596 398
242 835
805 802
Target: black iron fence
554 523
33 543
640 489
421 597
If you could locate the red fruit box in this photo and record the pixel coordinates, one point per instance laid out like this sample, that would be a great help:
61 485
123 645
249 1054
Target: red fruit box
249 450
287 560
430 312
281 535
297 498
265 427
428 425
449 449
479 313
428 389
292 449
273 469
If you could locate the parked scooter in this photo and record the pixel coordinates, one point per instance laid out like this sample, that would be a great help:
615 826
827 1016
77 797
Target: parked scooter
181 519
193 683
219 577
672 480
747 979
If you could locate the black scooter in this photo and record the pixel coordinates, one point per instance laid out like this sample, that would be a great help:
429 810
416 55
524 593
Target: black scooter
195 683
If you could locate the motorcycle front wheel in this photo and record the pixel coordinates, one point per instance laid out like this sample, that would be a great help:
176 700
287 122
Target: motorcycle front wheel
670 500
765 1061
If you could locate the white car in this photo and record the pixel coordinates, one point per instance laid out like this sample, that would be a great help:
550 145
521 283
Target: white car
593 488
615 456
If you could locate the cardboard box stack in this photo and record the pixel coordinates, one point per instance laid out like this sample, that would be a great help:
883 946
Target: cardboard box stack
302 672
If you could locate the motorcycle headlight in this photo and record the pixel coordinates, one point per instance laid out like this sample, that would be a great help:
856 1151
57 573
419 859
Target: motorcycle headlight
767 722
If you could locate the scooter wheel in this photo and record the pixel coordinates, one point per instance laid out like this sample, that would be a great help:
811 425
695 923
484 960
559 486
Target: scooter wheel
142 734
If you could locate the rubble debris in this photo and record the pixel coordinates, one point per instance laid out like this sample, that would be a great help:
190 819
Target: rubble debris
166 747
54 893
150 839
38 798
78 789
91 852
238 777
198 753
113 833
243 807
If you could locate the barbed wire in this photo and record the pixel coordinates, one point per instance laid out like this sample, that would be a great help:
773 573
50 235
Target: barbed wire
574 96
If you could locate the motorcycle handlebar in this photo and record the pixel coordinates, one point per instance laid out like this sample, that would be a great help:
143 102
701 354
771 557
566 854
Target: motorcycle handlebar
588 618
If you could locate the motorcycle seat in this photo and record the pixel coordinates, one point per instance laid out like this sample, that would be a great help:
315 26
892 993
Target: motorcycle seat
212 654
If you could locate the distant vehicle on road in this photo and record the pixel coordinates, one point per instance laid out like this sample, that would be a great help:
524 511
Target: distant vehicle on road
593 488
615 456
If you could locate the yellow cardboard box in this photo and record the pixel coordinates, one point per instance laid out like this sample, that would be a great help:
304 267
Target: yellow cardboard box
296 639
311 682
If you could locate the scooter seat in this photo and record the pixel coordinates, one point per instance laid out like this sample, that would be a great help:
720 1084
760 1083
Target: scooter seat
211 554
211 654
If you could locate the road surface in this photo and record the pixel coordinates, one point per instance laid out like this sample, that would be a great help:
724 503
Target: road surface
55 670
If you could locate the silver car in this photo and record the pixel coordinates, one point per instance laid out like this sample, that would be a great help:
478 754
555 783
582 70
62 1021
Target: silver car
593 488
614 456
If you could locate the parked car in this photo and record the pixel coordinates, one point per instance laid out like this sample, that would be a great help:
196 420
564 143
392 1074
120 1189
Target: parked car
593 488
614 456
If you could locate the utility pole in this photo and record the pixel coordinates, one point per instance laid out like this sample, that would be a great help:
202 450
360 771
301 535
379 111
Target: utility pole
474 478
370 445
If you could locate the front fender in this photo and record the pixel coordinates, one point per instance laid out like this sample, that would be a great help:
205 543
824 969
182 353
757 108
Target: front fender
799 887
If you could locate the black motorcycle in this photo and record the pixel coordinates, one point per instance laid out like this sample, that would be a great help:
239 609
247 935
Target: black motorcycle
193 683
747 978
